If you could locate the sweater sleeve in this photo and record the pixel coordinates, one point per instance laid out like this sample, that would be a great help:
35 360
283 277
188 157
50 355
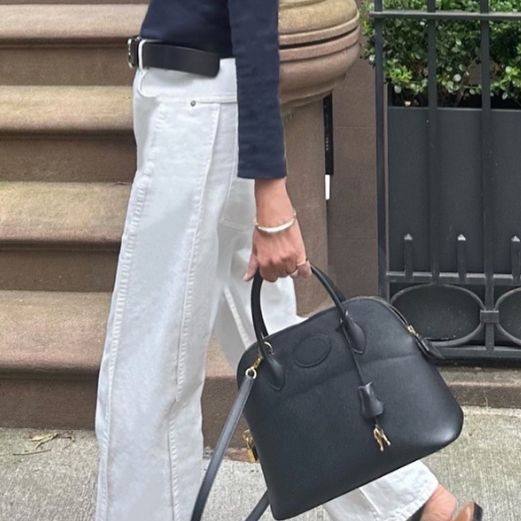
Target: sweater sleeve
255 42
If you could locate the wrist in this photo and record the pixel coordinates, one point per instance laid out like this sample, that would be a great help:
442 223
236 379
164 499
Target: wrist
270 230
267 188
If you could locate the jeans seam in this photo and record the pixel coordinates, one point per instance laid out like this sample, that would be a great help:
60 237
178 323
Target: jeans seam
238 319
372 506
186 307
121 300
230 179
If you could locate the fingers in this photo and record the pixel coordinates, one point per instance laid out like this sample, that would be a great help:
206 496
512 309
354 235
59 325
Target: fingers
272 270
279 255
303 269
253 264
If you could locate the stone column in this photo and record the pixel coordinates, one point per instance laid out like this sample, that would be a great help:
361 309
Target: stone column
319 41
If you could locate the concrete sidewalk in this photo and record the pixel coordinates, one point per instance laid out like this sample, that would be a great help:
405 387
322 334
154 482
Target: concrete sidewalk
59 484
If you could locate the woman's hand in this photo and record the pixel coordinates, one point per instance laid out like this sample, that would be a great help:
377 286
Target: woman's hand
276 255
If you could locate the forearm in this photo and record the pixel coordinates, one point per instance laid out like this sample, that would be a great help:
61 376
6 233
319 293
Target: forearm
274 205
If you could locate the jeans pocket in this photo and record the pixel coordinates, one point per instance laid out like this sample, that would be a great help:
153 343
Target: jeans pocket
163 84
240 207
154 83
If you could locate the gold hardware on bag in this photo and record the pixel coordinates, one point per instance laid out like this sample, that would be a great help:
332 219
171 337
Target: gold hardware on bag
413 331
252 370
257 362
250 445
380 437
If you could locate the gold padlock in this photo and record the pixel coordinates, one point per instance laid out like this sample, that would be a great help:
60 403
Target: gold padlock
250 446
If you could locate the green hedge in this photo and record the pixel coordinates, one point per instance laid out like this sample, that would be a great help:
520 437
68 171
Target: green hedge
458 47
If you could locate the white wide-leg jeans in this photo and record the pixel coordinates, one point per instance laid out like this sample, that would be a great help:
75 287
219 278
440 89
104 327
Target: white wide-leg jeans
185 246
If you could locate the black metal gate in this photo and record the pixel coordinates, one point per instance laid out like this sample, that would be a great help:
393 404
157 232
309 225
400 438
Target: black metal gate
449 241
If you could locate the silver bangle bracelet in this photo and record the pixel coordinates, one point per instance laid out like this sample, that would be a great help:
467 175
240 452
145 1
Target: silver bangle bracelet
279 228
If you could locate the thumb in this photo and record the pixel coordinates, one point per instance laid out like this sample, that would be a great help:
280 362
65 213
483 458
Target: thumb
253 264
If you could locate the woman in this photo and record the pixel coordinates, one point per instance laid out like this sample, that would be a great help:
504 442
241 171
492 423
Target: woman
210 160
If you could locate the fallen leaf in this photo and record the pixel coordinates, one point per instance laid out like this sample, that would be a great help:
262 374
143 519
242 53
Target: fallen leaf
28 453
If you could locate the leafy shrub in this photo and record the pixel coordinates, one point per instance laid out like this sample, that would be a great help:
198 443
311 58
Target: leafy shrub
458 53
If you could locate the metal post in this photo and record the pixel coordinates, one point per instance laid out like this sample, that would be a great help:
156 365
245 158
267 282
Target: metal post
327 106
486 170
383 286
434 178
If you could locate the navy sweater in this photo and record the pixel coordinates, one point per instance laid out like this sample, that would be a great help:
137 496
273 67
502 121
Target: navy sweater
247 30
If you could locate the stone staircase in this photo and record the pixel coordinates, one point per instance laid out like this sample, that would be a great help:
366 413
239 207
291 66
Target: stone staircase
67 162
67 159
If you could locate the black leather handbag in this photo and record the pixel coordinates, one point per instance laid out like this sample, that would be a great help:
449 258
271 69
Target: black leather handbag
336 401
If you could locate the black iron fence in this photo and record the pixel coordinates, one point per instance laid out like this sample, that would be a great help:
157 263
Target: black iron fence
449 205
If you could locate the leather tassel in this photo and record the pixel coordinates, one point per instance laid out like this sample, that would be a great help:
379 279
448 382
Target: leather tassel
371 406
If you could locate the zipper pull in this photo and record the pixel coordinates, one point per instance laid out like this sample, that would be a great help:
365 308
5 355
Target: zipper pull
250 446
425 345
380 437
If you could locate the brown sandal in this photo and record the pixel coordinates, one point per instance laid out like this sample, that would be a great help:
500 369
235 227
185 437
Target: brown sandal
470 511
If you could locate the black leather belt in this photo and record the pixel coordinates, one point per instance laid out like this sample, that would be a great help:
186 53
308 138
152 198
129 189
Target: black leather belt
153 53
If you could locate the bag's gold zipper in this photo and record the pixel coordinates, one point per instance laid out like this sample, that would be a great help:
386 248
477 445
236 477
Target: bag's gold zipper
413 331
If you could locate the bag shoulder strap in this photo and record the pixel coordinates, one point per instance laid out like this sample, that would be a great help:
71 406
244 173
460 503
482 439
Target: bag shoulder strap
218 455
240 402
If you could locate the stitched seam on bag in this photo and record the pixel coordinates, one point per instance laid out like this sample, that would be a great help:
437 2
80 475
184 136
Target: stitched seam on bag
121 302
185 321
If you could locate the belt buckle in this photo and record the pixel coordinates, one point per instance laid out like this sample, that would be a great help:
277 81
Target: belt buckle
132 47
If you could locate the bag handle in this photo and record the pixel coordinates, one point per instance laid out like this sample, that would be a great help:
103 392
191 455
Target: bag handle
354 332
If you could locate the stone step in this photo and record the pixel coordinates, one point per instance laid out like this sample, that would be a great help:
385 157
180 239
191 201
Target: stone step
80 133
51 350
60 236
31 109
67 44
49 356
49 360
485 386
85 43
